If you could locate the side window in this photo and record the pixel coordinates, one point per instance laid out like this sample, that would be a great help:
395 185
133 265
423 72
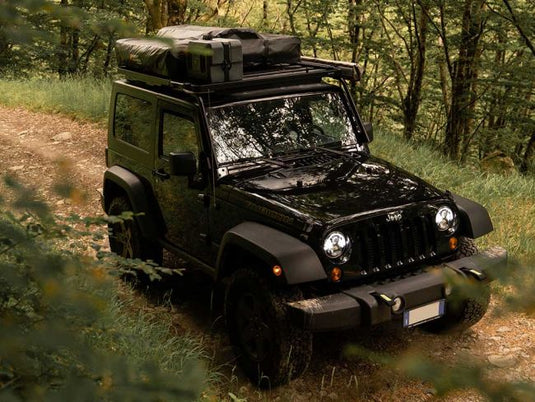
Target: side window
178 134
133 121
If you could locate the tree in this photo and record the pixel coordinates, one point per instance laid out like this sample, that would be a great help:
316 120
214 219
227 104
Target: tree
464 76
162 13
405 24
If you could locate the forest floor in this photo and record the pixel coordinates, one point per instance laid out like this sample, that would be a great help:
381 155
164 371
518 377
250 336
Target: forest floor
44 149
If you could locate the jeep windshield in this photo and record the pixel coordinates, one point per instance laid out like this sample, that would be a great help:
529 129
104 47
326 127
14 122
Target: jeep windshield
265 128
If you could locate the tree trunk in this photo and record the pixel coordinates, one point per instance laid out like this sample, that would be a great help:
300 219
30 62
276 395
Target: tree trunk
75 51
265 13
63 50
354 24
290 11
109 53
519 27
176 12
528 155
411 102
155 9
460 119
443 74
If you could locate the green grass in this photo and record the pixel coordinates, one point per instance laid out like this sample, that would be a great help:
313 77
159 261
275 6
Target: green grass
86 98
510 199
146 335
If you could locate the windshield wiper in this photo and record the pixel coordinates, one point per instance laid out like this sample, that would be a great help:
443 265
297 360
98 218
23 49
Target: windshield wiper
333 151
256 160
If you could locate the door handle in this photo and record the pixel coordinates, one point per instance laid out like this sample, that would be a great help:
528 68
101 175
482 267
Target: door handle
161 174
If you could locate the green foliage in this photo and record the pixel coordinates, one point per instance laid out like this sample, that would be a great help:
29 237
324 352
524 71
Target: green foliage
421 76
509 199
66 335
79 97
68 37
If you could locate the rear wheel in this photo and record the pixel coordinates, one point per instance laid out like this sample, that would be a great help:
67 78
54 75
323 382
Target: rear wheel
125 237
462 311
270 350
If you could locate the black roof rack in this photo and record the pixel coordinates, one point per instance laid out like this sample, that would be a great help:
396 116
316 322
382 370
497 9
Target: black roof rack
309 69
349 71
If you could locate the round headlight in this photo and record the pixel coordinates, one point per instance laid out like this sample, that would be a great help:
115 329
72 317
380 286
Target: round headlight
446 220
336 245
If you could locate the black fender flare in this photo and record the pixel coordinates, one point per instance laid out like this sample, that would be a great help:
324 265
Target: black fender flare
299 262
475 220
137 194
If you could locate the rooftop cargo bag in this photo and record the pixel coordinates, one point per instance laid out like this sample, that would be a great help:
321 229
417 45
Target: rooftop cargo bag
164 56
259 50
281 49
216 60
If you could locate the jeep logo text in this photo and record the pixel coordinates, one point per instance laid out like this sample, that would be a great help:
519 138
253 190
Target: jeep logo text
394 216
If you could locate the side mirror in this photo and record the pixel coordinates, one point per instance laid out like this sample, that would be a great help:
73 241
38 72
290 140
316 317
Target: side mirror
368 128
182 164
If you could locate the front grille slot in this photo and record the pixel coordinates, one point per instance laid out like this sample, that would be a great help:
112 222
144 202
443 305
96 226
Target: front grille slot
381 246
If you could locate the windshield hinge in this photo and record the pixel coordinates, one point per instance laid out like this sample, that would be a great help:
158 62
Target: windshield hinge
222 172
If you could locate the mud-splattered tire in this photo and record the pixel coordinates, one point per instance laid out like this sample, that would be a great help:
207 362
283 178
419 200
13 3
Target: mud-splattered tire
125 237
467 247
269 349
462 313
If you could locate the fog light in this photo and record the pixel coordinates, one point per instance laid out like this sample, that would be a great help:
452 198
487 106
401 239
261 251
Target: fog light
448 289
453 243
336 274
398 304
277 270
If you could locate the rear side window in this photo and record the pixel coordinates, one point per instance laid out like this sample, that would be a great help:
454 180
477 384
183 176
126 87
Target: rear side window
133 121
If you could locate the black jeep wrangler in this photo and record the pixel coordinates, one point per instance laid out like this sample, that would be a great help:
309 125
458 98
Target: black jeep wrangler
267 184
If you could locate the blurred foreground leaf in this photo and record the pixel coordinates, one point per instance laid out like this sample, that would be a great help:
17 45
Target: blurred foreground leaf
61 326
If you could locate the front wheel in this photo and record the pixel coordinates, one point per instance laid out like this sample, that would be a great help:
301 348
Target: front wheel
462 311
270 350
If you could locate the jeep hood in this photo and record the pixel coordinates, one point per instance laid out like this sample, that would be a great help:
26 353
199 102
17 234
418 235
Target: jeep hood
343 187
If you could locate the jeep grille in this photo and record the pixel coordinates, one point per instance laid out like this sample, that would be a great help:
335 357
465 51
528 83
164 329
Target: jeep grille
380 246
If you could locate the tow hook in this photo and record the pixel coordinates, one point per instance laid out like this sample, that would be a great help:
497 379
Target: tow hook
479 275
396 303
389 301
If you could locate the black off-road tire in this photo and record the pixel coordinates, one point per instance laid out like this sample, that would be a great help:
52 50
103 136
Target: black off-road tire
467 247
461 313
125 237
270 350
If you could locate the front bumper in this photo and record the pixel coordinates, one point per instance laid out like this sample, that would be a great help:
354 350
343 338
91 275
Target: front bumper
367 305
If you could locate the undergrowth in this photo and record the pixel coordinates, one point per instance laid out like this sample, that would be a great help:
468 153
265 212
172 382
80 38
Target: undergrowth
86 98
68 331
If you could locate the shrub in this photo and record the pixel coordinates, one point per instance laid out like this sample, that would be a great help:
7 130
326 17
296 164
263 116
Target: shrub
64 333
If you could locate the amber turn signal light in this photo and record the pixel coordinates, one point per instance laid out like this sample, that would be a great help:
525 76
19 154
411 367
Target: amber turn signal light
336 274
453 243
277 270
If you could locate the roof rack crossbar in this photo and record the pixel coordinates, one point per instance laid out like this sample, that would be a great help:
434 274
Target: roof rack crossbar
251 78
349 71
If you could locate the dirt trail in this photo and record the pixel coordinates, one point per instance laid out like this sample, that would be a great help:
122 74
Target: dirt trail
31 144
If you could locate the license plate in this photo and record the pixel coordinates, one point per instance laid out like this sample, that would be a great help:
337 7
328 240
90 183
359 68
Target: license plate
422 314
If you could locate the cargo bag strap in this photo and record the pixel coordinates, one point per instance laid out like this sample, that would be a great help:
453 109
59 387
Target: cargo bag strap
227 63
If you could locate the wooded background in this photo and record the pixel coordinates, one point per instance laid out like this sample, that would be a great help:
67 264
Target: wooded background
456 74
